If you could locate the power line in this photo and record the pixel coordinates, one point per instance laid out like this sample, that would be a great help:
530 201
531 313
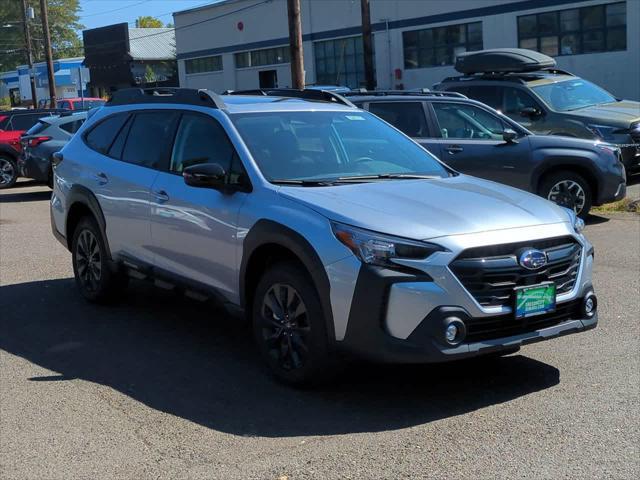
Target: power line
114 9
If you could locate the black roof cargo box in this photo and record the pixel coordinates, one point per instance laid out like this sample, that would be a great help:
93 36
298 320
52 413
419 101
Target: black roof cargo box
502 60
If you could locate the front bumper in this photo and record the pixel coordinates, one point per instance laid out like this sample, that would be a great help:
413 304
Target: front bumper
401 317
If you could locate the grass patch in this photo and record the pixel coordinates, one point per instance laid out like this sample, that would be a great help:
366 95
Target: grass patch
624 205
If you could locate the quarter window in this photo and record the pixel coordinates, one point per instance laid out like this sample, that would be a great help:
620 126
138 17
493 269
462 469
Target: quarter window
407 117
598 28
200 139
102 135
462 121
147 138
72 127
440 46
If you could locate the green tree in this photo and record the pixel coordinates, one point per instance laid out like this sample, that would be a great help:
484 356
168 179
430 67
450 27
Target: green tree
63 23
149 75
148 22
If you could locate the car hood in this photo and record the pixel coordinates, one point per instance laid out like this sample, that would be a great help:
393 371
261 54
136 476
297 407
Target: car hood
624 112
427 209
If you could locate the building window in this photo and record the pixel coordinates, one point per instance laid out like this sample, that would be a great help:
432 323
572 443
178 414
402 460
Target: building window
599 28
340 62
439 46
257 58
203 64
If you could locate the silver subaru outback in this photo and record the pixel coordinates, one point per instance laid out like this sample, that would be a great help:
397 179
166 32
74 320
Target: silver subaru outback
331 230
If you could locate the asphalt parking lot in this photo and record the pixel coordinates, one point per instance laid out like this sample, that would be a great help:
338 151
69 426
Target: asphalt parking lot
158 386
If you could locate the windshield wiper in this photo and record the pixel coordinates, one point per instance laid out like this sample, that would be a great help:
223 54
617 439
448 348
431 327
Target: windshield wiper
303 183
393 176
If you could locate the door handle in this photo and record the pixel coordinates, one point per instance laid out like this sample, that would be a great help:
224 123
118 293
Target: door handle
101 178
452 149
161 196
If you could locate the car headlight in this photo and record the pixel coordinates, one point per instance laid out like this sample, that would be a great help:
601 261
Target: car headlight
576 222
604 132
378 249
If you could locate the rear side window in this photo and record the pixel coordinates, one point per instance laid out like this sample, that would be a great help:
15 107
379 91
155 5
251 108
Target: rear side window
148 138
486 94
407 117
64 104
25 122
102 135
72 127
200 139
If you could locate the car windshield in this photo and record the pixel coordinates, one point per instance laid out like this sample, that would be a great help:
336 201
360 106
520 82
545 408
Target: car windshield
331 146
573 95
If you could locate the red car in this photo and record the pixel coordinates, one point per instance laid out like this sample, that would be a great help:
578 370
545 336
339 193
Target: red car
12 125
74 103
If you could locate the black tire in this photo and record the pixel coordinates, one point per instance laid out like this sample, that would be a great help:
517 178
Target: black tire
564 187
8 172
295 346
94 278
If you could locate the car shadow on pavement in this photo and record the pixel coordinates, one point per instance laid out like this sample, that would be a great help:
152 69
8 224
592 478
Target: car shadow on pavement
25 196
189 360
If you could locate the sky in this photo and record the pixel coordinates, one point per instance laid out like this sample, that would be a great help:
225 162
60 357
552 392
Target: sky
98 13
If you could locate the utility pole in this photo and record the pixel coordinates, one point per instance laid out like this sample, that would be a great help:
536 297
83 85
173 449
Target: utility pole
295 44
47 51
367 48
27 40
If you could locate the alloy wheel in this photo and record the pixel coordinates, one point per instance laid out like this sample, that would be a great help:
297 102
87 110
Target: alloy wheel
7 171
285 326
568 193
89 260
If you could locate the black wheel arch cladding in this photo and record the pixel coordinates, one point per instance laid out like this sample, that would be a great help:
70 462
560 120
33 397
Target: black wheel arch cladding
84 198
268 232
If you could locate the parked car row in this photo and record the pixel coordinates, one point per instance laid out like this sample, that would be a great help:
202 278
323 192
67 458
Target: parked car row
334 232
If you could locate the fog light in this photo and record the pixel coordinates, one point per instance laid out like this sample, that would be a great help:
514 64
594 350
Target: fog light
451 333
454 331
589 305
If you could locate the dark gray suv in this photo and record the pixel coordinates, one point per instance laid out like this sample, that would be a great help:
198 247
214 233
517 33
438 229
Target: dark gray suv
477 140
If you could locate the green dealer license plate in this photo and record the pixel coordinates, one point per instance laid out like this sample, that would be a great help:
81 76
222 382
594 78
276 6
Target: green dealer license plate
535 299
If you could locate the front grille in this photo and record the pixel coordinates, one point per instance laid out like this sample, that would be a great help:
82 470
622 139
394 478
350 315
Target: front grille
491 273
479 329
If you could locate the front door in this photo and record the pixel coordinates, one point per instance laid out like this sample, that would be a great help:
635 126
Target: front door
470 140
268 79
193 230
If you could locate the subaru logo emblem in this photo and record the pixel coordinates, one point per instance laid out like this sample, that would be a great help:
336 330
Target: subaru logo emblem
533 259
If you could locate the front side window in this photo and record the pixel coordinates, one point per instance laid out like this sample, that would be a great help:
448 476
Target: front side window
598 28
516 100
572 95
200 139
405 116
440 46
461 121
147 140
330 146
102 135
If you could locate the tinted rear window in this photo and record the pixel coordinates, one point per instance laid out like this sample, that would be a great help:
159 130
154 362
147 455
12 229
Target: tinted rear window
101 136
72 127
147 141
25 122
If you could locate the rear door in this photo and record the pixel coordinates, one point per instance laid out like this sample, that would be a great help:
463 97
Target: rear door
194 230
133 146
471 141
410 117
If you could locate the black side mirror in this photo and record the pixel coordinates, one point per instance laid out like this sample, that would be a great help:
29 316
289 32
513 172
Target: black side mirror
509 135
530 112
205 175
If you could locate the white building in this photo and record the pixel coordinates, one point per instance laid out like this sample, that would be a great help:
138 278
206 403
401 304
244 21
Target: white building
243 44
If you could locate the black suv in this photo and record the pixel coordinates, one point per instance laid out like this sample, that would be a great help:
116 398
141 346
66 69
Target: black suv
475 139
548 101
